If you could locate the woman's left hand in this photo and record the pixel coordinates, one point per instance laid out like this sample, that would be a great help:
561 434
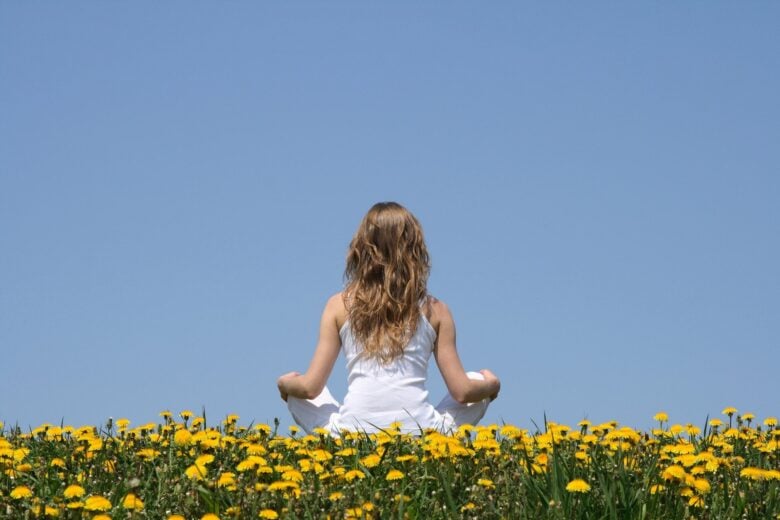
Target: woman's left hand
280 383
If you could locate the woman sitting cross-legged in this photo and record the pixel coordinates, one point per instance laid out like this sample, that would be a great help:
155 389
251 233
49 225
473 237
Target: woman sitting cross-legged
388 326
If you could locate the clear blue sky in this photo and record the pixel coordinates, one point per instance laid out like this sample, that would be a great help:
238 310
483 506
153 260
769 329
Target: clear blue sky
599 186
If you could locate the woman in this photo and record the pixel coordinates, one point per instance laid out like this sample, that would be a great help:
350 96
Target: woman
389 326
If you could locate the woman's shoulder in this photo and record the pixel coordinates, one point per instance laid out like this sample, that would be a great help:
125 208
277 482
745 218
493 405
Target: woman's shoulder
337 308
435 311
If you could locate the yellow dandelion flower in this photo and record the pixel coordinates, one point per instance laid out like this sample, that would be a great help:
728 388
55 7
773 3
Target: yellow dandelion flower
73 491
657 488
255 449
23 468
585 423
370 461
175 517
227 480
101 517
394 474
336 495
729 411
268 513
590 439
407 458
148 453
209 516
251 462
748 416
185 414
208 458
97 503
19 454
346 452
132 502
486 483
696 501
396 425
661 417
21 492
577 486
182 437
687 460
353 474
674 472
283 485
320 455
465 429
692 430
770 422
702 485
195 472
293 475
753 473
75 505
468 507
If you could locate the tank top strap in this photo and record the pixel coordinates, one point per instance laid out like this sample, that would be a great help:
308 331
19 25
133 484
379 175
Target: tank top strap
425 302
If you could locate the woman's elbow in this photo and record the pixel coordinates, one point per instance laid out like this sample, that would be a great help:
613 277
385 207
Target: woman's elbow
310 395
460 396
311 391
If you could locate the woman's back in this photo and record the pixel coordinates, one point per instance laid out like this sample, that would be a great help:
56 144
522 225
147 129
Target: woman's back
381 393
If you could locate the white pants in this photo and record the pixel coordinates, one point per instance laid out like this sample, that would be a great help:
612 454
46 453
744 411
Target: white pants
323 411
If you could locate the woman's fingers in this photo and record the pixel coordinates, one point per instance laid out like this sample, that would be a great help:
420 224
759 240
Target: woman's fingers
491 377
488 374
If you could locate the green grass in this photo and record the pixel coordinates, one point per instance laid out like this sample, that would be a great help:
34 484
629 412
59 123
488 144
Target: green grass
184 468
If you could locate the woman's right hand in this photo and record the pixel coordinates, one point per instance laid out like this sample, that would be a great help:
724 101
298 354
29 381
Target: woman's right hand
493 380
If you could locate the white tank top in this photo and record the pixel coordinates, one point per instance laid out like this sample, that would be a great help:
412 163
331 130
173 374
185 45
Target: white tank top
379 395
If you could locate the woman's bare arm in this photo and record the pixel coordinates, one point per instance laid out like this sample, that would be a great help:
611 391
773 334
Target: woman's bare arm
311 384
462 389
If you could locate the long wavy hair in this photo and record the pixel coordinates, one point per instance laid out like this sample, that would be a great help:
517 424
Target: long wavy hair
386 280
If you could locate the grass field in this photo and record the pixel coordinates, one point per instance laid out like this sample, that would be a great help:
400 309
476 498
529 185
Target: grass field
186 468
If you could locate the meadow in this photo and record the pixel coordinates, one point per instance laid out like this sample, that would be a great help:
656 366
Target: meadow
184 468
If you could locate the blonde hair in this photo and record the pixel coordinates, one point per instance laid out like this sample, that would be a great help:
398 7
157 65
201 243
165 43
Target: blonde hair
386 280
